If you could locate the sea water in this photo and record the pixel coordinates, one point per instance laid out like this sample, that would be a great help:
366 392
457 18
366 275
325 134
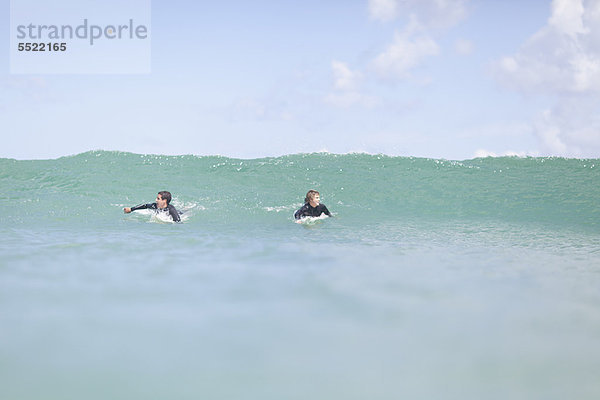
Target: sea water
435 279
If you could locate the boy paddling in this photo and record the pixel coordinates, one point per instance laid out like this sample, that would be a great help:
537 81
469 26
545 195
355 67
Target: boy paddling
162 204
312 206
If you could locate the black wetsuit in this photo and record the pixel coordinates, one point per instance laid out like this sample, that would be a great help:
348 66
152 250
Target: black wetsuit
170 208
309 211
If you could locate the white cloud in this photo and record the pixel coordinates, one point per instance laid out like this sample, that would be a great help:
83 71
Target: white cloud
564 56
549 134
463 47
344 78
346 84
563 60
384 10
571 128
405 53
567 17
432 13
416 41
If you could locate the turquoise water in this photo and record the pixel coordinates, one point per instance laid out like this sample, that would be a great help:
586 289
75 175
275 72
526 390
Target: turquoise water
435 279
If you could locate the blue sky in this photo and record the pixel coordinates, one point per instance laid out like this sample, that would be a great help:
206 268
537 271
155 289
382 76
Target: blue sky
448 79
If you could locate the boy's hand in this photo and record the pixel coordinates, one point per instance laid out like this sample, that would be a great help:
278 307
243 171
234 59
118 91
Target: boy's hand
127 210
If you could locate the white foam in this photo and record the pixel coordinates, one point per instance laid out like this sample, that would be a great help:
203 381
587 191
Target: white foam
482 153
280 208
162 217
311 220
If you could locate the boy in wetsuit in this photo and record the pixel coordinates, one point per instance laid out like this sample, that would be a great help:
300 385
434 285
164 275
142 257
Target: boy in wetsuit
312 206
162 204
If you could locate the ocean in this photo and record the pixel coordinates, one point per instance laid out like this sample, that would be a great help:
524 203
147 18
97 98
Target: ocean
434 279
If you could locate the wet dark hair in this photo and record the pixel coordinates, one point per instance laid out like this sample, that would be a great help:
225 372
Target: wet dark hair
310 195
165 196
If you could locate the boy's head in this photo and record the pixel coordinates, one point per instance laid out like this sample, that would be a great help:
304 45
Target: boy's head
313 197
164 196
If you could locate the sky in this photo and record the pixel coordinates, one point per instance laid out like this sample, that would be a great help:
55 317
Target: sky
453 79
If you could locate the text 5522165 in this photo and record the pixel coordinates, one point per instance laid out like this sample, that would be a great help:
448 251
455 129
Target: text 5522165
42 46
